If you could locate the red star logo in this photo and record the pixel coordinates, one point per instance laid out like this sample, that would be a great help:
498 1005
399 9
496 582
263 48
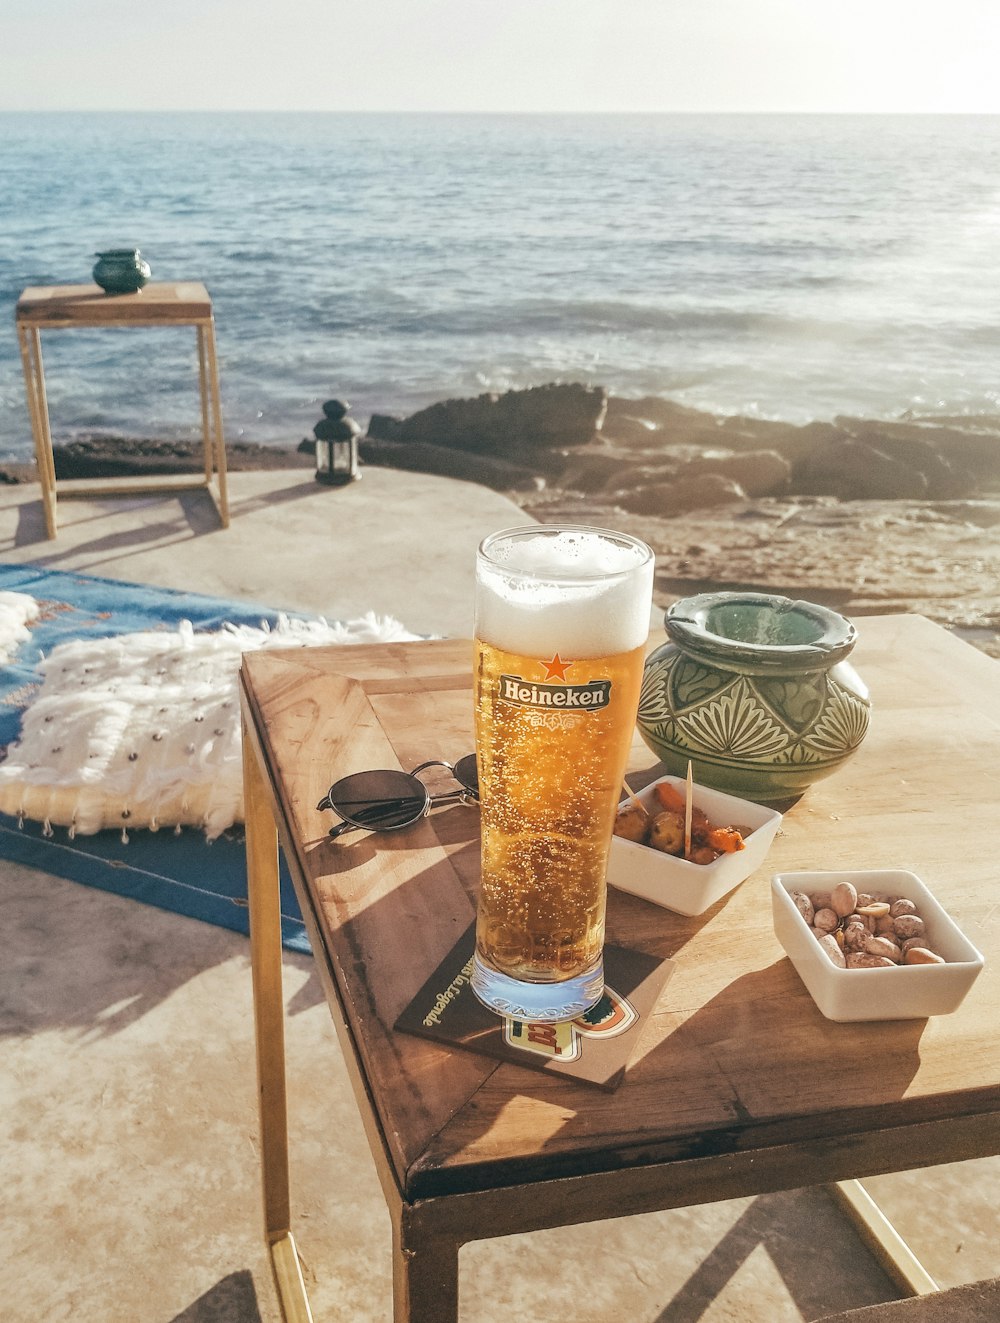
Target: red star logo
556 668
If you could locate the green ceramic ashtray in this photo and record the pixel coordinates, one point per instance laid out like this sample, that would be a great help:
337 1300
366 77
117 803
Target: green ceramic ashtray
121 270
756 691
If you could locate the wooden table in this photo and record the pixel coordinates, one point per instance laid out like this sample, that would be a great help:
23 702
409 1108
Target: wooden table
166 303
741 1086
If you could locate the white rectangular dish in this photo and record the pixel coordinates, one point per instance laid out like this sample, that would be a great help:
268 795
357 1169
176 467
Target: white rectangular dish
676 883
902 992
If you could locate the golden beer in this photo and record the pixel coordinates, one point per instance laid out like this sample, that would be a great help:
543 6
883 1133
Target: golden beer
561 626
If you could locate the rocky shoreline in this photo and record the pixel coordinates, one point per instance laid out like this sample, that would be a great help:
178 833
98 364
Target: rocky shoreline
865 516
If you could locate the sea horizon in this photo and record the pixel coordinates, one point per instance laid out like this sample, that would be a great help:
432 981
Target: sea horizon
788 266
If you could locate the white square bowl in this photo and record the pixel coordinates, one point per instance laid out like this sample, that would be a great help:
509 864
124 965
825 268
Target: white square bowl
904 992
677 884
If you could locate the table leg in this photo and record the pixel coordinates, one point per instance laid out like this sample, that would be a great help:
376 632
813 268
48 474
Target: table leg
208 448
269 1025
424 1272
212 364
883 1239
38 415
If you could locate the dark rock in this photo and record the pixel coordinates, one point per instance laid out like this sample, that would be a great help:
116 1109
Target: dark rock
945 482
945 457
336 429
653 409
628 431
335 409
758 472
416 457
852 470
384 427
801 442
112 457
593 473
511 425
307 446
668 499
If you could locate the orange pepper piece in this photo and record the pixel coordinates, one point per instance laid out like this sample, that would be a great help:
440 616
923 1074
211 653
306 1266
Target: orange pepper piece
669 796
725 839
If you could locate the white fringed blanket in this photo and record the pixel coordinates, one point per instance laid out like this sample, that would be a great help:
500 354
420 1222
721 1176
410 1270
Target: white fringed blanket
143 730
16 610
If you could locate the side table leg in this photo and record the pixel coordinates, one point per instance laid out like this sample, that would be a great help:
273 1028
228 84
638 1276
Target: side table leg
269 1024
212 364
424 1272
38 415
208 448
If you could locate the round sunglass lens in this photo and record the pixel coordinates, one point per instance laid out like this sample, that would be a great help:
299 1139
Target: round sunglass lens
467 773
379 801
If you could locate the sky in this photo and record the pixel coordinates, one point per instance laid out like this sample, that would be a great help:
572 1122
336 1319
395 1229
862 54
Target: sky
871 56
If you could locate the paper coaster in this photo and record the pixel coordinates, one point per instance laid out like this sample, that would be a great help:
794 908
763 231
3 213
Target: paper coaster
596 1048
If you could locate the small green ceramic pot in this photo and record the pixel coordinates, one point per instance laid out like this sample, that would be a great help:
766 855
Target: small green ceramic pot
755 690
121 270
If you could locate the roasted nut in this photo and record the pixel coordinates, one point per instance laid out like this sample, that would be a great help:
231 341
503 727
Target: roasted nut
876 909
855 936
908 925
666 832
881 946
632 823
829 944
881 932
843 898
824 921
920 955
804 906
862 960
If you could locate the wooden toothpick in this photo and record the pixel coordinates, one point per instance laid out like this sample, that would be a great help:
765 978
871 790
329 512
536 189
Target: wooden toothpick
635 798
687 813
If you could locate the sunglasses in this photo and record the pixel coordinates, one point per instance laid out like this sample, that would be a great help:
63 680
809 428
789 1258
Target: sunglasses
387 800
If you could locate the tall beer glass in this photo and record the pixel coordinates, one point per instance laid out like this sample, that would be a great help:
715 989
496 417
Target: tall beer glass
562 616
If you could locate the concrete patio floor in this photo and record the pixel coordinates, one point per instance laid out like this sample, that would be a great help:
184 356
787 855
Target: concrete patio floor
127 1090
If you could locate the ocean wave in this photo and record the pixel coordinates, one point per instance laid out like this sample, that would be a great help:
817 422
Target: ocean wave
777 265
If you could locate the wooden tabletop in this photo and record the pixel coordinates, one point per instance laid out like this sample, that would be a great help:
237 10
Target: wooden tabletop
736 1062
163 302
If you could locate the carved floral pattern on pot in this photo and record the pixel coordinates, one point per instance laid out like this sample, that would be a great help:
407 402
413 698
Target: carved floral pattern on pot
754 689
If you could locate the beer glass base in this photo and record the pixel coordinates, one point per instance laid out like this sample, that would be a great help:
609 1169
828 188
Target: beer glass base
554 1003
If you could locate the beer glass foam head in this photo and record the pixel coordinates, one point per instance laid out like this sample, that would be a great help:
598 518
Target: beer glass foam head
583 591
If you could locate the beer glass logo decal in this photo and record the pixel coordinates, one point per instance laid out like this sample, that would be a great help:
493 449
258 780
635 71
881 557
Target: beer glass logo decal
588 697
544 1038
613 1015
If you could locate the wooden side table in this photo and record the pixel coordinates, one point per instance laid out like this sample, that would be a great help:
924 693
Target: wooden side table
167 303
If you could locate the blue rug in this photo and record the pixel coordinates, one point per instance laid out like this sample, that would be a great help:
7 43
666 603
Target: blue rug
182 873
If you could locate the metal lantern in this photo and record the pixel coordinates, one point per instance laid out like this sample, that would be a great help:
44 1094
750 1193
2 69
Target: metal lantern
336 446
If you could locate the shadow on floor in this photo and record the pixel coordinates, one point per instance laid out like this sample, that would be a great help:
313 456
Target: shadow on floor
233 1300
808 1242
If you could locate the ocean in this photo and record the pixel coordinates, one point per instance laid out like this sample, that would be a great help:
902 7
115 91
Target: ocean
795 267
